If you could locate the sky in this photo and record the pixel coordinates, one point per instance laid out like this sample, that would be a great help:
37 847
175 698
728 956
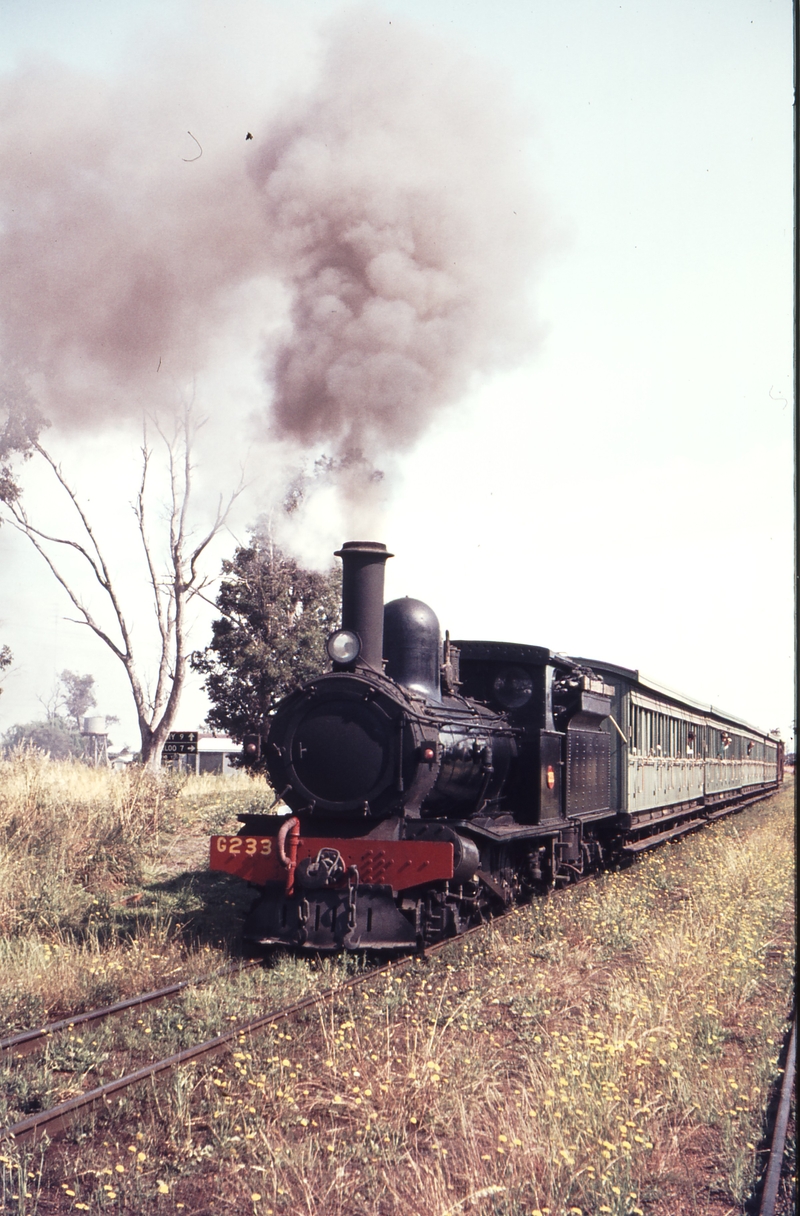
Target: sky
532 261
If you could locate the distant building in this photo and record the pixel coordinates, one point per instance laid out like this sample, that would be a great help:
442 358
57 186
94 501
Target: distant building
120 760
214 755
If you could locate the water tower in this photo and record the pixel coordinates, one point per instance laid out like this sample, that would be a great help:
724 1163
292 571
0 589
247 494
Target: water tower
96 736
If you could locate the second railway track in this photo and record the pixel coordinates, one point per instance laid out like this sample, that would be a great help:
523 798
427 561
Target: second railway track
26 1041
54 1120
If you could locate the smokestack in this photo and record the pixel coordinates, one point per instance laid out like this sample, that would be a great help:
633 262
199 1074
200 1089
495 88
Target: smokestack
363 563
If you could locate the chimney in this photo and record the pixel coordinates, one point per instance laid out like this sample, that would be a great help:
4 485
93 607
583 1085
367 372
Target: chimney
363 563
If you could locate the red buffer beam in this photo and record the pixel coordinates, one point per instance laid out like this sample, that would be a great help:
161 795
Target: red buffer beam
399 864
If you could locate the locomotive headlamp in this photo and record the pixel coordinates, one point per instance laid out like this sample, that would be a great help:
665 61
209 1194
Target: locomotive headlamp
343 646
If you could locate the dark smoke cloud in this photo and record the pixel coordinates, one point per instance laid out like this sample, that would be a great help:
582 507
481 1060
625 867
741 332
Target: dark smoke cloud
115 254
389 206
402 219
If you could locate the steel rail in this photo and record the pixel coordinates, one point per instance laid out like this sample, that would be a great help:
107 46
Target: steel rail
769 1193
57 1118
26 1041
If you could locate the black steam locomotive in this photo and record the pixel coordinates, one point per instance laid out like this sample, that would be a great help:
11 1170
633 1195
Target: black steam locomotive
431 785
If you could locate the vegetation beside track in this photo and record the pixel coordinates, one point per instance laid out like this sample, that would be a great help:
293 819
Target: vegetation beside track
104 887
609 1050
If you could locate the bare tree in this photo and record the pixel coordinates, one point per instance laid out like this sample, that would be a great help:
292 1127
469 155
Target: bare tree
172 588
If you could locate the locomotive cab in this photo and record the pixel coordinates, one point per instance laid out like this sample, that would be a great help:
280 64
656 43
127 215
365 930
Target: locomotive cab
558 708
516 680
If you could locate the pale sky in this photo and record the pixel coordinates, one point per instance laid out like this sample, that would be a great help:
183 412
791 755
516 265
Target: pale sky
624 491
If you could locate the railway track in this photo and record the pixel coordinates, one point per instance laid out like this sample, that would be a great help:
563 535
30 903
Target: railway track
56 1119
772 1177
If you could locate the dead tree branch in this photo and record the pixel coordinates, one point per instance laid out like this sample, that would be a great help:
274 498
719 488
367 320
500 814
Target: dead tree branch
172 589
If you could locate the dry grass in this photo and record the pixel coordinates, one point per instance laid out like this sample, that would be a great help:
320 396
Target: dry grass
69 833
104 889
607 1051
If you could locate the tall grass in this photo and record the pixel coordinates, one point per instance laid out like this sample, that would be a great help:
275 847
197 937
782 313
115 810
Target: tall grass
69 833
104 887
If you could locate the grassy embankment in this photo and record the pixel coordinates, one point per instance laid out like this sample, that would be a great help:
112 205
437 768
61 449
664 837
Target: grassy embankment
608 1051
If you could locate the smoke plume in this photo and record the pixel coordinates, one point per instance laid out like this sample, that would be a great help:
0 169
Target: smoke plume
401 219
373 242
116 254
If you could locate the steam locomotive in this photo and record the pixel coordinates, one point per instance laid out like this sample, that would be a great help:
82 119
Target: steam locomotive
430 785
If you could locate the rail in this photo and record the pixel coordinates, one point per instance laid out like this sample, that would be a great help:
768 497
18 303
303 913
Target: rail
772 1178
26 1041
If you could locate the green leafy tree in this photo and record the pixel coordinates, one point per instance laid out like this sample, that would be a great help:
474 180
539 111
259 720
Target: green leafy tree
54 736
20 424
276 617
21 421
77 696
